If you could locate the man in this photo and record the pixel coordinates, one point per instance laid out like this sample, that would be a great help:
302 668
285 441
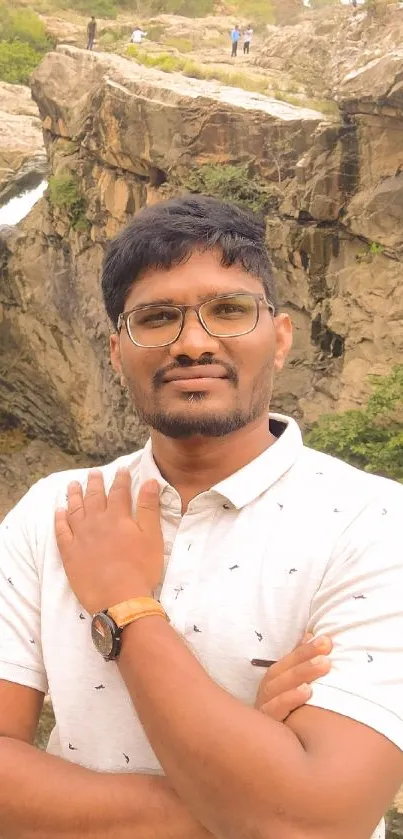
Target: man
243 538
91 32
235 36
137 35
247 38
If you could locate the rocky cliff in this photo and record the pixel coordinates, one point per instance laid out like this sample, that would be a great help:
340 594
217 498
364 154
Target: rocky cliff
119 135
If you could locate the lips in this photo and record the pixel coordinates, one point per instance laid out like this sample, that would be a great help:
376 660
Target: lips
191 373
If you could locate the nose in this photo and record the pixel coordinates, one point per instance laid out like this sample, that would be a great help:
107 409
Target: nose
194 341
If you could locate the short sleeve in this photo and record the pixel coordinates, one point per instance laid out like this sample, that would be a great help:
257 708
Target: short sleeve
20 596
360 605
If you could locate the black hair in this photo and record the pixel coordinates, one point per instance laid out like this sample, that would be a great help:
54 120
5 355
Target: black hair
166 234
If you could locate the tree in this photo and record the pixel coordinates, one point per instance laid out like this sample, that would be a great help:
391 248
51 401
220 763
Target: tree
370 438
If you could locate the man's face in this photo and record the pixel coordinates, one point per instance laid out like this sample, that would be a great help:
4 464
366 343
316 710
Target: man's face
243 367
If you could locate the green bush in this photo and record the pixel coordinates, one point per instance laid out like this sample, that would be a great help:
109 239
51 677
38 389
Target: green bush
17 61
259 12
370 438
23 25
187 8
64 193
162 61
156 32
231 183
98 8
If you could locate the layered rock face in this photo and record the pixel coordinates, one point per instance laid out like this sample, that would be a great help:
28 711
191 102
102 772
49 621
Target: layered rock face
131 136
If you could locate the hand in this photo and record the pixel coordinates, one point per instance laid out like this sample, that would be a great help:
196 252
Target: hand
108 555
286 684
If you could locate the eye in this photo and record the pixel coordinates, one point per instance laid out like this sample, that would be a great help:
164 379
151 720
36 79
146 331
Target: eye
229 308
155 317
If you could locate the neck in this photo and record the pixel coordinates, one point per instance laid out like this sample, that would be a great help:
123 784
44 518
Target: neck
195 465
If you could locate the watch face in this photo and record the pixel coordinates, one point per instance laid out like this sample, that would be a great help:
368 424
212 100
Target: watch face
102 631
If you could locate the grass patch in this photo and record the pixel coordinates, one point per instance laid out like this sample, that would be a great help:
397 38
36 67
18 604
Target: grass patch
324 106
98 8
176 64
233 183
156 32
65 194
180 44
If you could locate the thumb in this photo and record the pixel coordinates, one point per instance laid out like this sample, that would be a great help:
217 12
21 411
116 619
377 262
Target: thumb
148 507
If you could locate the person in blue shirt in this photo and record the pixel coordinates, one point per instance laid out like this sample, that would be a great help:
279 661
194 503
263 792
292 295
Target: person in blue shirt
235 36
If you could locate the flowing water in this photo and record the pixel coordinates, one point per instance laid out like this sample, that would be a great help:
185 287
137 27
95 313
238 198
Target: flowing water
18 207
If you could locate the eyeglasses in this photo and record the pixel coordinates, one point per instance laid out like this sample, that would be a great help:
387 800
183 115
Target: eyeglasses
226 316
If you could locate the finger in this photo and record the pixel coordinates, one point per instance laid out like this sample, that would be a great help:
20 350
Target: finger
282 706
75 503
63 533
120 493
95 495
305 651
148 507
307 638
307 672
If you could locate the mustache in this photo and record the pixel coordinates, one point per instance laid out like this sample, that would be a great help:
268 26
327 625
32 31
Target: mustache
230 372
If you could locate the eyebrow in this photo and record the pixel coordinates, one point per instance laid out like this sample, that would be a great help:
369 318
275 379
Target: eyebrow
201 298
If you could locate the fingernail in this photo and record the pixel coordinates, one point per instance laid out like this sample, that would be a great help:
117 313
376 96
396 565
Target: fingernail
305 689
321 641
151 487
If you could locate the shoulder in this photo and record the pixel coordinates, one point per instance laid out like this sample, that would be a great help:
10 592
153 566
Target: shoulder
331 479
48 493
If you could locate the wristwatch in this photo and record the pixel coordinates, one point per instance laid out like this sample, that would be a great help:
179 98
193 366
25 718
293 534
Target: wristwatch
107 626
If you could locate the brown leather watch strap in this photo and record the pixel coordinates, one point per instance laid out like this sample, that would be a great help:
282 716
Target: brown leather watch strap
134 609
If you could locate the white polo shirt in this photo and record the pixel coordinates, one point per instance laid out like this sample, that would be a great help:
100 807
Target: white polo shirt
294 541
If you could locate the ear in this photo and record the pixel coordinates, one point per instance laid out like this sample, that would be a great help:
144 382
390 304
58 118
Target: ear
283 332
114 347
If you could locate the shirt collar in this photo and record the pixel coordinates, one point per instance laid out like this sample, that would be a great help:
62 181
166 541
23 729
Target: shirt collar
256 477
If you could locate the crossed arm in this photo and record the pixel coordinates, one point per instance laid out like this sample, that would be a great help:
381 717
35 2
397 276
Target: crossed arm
43 797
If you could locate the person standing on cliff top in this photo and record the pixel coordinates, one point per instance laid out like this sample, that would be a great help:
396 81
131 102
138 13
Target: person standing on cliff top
247 40
227 525
91 32
235 36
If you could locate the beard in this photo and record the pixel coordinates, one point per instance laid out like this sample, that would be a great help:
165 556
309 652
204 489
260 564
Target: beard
193 421
181 427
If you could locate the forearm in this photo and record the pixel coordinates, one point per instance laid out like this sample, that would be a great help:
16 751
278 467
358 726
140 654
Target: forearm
44 797
236 769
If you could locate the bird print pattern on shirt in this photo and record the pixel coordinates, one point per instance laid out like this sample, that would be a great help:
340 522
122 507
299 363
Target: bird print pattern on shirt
180 588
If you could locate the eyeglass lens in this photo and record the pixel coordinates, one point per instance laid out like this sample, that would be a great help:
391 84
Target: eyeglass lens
155 326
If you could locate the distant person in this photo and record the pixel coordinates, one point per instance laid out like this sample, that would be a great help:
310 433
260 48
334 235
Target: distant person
247 38
235 36
137 35
91 32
